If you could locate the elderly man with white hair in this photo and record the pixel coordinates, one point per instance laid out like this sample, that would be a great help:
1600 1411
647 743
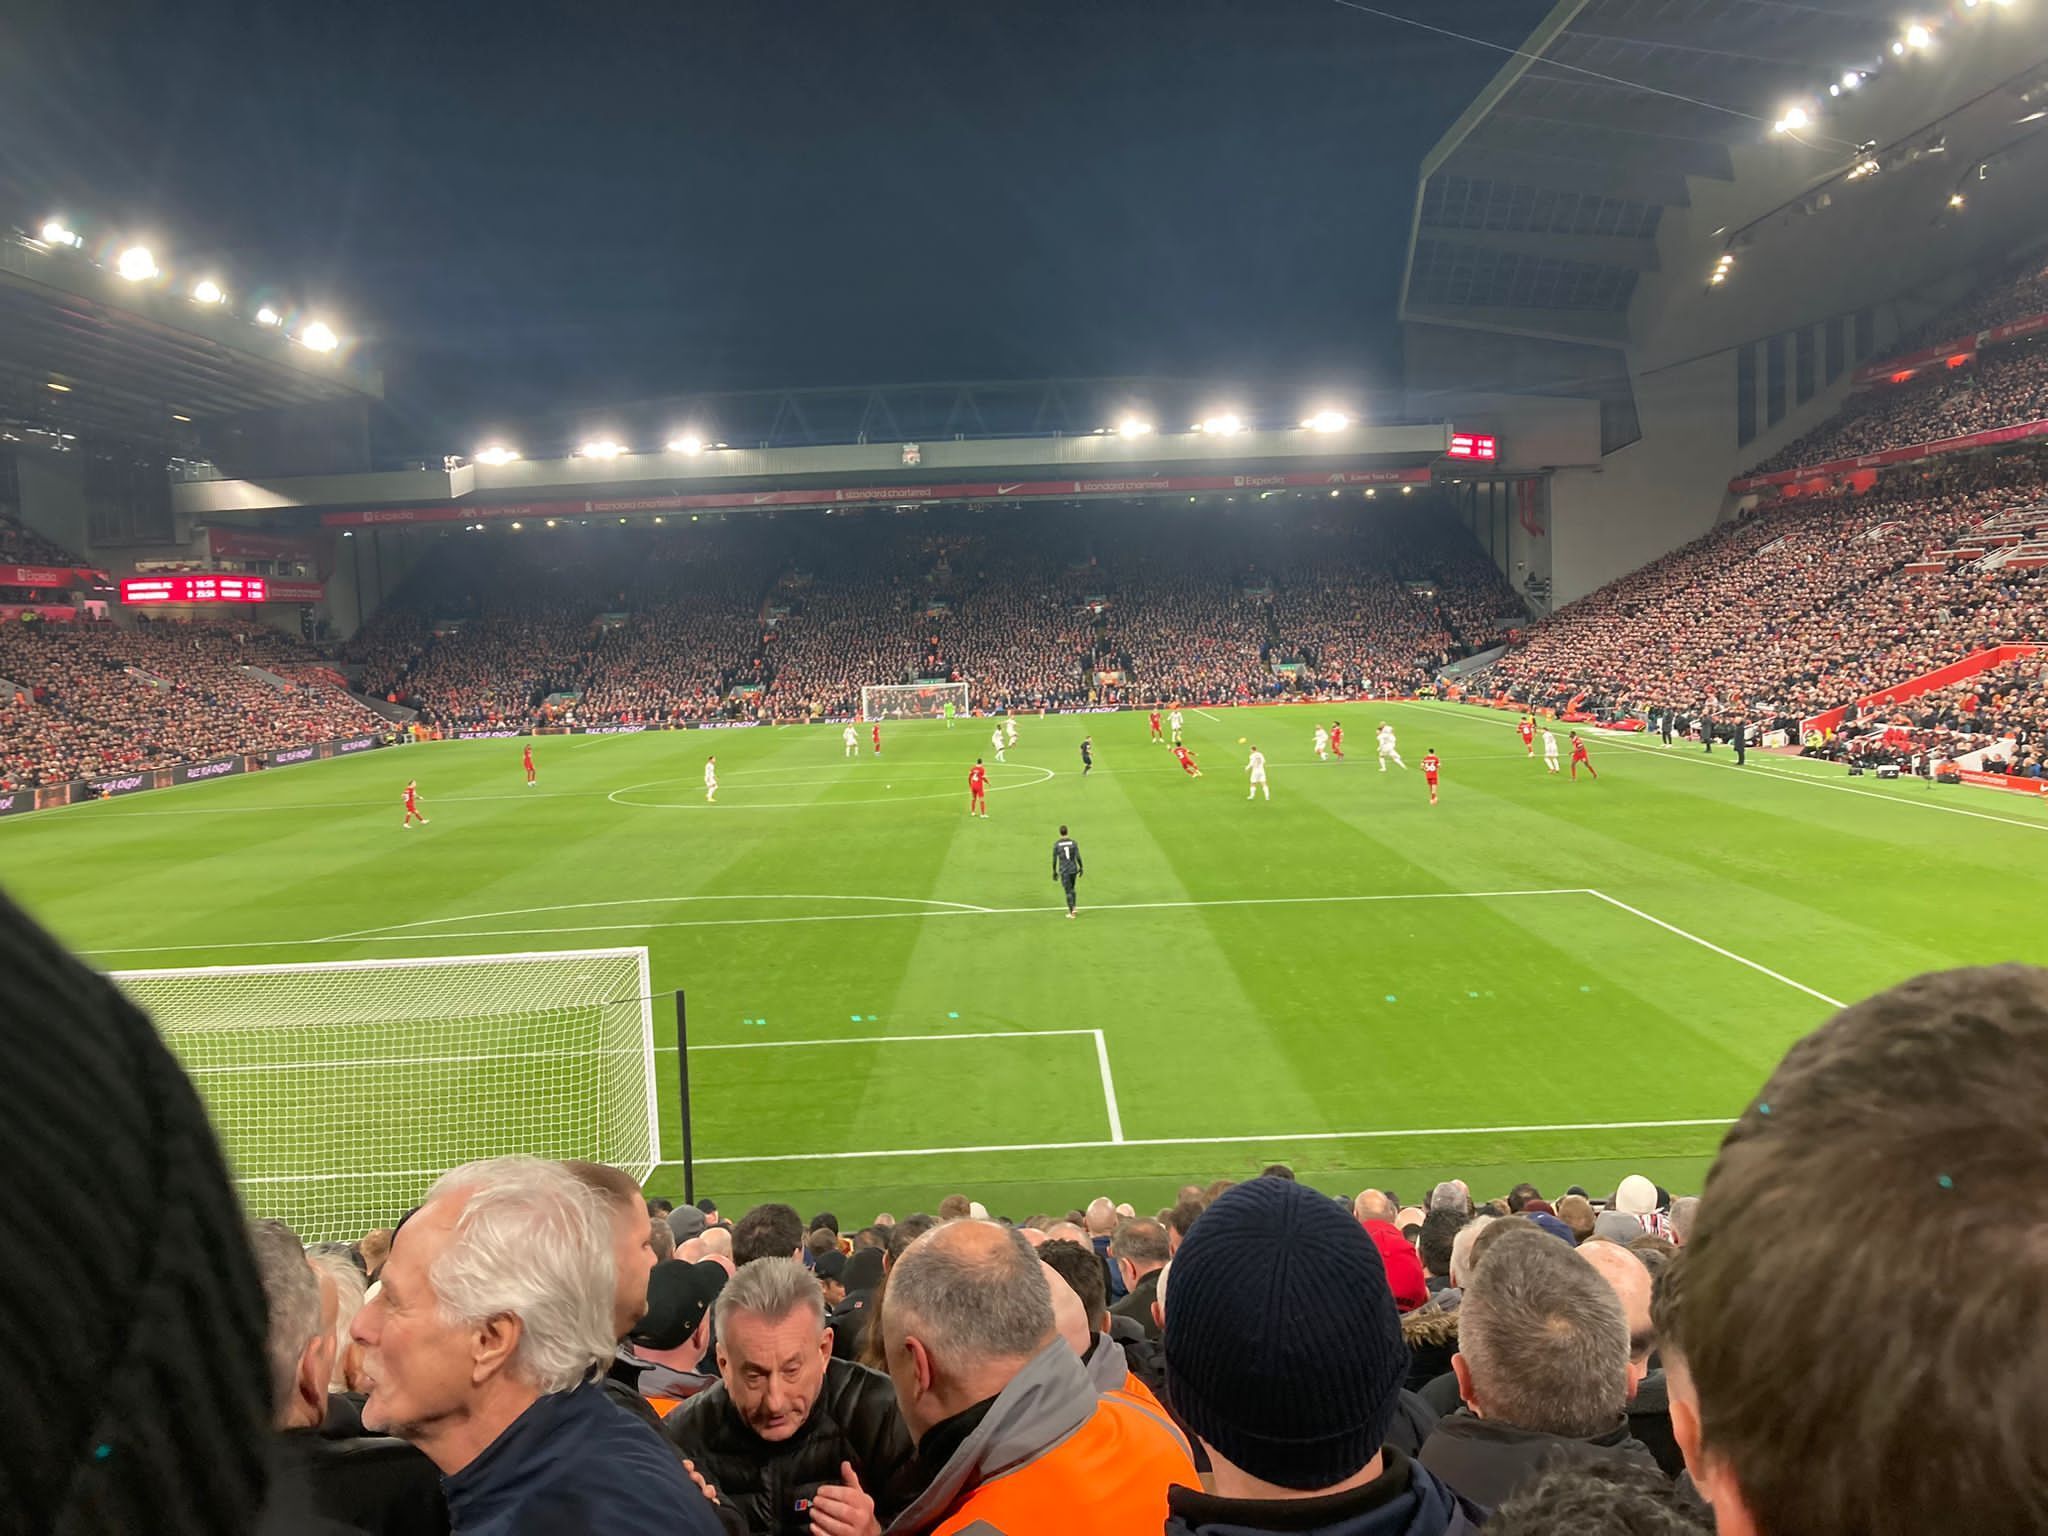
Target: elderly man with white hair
483 1347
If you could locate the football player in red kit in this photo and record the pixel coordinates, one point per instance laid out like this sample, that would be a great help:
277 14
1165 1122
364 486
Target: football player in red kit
1157 734
877 733
412 806
1429 768
1579 756
1187 762
527 756
1528 730
1336 739
977 790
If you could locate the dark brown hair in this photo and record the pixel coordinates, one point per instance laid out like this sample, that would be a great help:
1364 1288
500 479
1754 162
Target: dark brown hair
1868 1261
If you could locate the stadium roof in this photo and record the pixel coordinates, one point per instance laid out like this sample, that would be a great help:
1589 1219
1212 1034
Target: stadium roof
85 352
1538 210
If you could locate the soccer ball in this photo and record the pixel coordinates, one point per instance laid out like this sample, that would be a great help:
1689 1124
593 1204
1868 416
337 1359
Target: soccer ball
1240 741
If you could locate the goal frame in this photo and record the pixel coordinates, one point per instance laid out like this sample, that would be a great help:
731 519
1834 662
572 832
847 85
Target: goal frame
940 692
644 999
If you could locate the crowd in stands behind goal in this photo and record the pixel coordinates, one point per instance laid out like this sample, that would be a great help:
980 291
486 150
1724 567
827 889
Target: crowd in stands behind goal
538 1346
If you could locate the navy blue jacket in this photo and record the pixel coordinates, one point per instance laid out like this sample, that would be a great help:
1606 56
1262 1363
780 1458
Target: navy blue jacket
1403 1500
576 1461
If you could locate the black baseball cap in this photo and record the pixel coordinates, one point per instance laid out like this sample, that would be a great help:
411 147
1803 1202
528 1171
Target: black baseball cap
678 1296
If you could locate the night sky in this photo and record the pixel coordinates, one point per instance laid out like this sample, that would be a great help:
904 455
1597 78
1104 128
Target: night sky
523 207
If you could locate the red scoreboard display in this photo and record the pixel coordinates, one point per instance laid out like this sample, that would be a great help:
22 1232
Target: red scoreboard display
1473 445
195 589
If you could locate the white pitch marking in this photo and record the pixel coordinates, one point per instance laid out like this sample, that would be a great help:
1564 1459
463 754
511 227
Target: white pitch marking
1207 1141
839 917
1727 954
1116 1119
797 1045
637 901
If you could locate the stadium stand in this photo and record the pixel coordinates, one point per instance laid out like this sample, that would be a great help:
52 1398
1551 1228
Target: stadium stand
1972 392
790 617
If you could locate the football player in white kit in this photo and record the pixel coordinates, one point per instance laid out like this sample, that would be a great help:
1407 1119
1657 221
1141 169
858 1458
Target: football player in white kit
1387 748
1549 750
1173 725
1257 769
995 739
1010 728
710 781
1323 743
852 739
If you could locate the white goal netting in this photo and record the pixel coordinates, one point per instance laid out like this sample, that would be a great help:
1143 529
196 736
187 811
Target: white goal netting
911 701
341 1091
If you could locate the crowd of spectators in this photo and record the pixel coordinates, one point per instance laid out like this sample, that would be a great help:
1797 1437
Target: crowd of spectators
96 698
789 617
2016 291
539 1346
1997 388
1803 606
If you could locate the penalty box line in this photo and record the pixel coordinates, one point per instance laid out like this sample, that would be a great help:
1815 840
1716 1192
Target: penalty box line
1118 1139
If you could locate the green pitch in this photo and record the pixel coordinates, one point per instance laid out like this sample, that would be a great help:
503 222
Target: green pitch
1535 978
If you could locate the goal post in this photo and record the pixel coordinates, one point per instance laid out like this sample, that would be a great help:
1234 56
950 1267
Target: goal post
911 701
341 1090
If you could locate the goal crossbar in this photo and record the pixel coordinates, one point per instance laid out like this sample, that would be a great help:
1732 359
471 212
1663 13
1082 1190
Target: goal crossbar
911 701
341 1089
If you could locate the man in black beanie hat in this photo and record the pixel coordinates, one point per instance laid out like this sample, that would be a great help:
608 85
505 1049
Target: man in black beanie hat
138 1392
1284 1357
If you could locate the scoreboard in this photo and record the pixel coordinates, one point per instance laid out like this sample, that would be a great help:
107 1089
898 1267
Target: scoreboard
1473 445
205 588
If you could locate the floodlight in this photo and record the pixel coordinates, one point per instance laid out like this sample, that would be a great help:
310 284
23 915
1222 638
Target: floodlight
1327 421
320 337
57 232
497 453
1851 80
1955 199
689 442
599 448
1918 36
1132 426
62 389
268 316
1226 425
207 291
137 264
1898 48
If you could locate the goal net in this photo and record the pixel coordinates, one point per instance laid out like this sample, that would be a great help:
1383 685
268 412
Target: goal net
911 701
341 1091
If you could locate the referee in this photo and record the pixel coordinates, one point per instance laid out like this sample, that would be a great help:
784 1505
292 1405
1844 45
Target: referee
1066 866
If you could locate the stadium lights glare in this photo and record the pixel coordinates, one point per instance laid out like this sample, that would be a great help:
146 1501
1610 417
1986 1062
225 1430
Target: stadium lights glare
137 264
689 442
599 448
517 526
1327 421
1226 425
62 389
175 416
320 337
1132 426
1370 492
497 453
551 522
207 291
1918 36
268 316
1406 489
57 232
1955 199
1794 119
1852 79
1897 48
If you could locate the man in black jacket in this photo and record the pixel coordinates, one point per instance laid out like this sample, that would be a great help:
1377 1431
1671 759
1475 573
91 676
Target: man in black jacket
1542 1367
790 1434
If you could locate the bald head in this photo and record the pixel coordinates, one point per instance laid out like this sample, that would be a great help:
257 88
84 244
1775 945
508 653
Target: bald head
1629 1279
1069 1314
1066 1232
1373 1205
1101 1217
968 1305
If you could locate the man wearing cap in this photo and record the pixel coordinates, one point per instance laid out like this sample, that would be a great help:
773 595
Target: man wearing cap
1641 1199
669 1343
1375 1212
792 1438
1284 1356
